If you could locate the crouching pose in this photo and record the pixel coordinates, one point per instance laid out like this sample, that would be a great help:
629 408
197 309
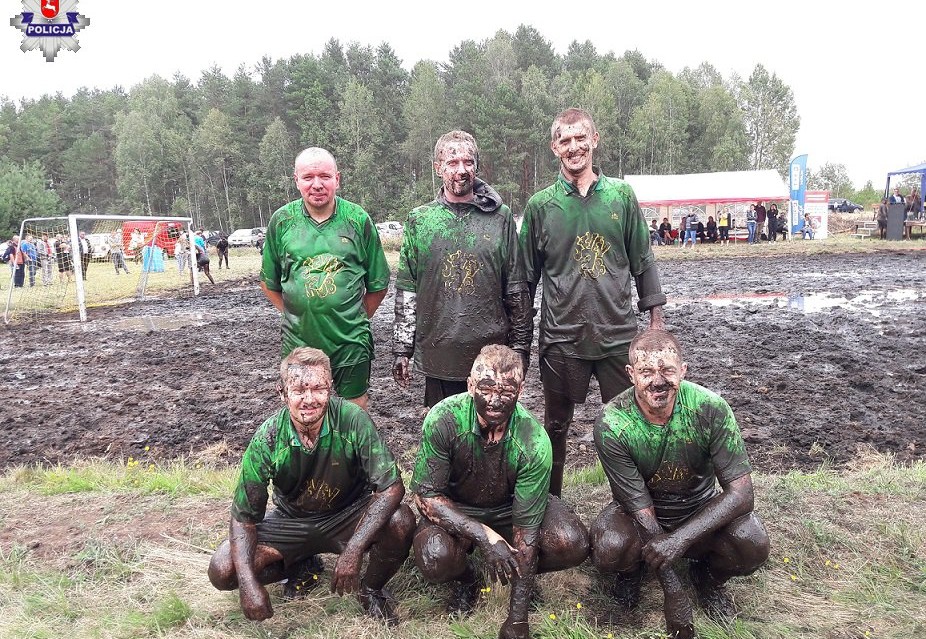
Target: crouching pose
662 443
481 481
336 488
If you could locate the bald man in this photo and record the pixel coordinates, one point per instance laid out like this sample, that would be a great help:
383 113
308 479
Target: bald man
324 269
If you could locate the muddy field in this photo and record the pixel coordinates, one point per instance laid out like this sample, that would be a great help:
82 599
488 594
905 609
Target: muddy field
817 355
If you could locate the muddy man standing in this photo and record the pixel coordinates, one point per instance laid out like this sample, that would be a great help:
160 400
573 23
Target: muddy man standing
325 270
460 266
586 236
664 445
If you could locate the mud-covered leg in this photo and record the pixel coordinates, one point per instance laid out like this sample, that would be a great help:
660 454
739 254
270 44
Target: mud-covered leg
558 413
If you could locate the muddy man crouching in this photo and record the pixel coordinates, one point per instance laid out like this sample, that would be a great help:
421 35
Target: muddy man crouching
481 481
662 443
336 488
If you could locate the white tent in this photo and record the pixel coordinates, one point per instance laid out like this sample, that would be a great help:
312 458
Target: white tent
708 188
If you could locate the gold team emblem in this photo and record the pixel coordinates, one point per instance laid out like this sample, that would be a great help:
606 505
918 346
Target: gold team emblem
589 253
318 274
458 270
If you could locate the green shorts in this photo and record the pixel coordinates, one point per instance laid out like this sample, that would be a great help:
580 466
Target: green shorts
352 381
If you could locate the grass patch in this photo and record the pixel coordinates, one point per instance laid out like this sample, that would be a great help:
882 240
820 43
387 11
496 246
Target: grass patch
848 558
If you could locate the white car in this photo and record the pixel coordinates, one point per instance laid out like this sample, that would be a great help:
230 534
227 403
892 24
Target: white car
245 237
390 230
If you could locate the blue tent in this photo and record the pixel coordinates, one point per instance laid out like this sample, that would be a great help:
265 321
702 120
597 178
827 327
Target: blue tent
919 168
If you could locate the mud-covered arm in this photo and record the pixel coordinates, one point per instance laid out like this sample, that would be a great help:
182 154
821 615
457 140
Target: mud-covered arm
383 504
526 543
649 289
242 541
499 556
520 309
403 329
735 500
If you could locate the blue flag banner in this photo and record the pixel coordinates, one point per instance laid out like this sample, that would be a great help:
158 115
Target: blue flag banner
797 173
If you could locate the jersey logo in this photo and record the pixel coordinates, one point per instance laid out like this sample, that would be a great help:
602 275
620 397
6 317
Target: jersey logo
459 270
615 216
589 253
318 274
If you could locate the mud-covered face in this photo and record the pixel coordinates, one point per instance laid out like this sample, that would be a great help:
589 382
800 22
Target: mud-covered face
317 179
457 169
656 375
495 395
306 392
574 146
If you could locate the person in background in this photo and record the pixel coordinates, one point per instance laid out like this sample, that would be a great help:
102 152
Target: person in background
116 253
760 220
723 227
46 254
710 230
63 258
27 246
807 231
86 252
182 253
665 232
773 222
17 261
202 261
655 237
881 218
914 204
136 243
751 224
221 249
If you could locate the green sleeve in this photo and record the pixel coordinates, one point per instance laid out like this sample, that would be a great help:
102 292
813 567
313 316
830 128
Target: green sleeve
432 464
532 485
628 487
728 451
270 270
407 277
374 455
515 277
377 269
528 245
249 504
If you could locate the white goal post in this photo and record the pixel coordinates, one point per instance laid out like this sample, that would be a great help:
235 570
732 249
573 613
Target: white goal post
71 262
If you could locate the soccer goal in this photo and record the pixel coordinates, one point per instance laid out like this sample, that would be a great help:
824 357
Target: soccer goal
71 263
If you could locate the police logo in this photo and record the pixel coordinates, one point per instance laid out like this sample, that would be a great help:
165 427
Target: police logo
49 25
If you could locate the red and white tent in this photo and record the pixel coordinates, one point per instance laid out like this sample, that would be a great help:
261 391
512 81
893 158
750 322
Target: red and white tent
723 187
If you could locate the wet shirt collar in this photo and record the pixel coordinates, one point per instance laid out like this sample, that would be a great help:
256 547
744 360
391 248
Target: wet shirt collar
570 189
308 216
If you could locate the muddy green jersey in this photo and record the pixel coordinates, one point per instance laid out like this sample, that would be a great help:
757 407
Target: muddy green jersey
324 270
460 261
588 250
671 467
348 462
455 461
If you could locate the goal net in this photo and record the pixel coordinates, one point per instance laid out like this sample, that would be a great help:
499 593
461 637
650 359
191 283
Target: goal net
75 263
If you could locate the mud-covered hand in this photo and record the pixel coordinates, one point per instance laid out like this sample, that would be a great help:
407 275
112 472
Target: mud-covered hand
514 629
400 371
501 562
255 602
663 550
346 578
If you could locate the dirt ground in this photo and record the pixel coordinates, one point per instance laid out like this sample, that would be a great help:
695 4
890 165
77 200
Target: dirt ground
817 355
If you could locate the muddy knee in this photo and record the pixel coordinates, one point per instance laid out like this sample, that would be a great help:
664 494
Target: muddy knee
222 569
742 547
615 543
439 556
564 540
399 530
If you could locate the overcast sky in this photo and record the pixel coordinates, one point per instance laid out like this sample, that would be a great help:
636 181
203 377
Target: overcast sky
857 87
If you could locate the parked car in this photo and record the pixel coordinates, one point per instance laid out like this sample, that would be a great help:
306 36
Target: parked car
389 230
245 237
844 206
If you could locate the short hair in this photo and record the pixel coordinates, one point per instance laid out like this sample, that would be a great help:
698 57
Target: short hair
302 357
314 151
654 339
500 358
572 115
455 136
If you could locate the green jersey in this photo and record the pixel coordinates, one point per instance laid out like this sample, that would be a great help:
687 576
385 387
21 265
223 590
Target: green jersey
460 260
454 461
324 270
348 462
670 467
588 250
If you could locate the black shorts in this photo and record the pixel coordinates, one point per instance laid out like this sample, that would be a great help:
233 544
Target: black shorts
569 376
297 539
437 389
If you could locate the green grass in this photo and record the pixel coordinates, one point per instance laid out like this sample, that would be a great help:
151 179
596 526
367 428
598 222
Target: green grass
849 557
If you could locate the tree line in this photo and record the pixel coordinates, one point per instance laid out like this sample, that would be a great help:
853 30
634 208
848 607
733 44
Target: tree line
222 149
